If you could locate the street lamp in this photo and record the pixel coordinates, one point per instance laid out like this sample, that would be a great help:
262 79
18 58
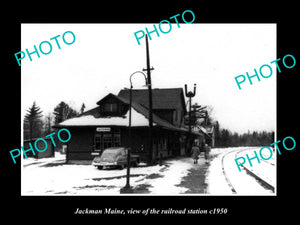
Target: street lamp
127 188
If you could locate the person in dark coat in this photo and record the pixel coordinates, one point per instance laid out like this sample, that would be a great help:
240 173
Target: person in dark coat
195 152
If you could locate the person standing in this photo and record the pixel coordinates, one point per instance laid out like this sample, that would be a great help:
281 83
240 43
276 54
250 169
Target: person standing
206 152
195 152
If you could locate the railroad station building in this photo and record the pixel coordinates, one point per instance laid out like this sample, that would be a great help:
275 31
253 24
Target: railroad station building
107 125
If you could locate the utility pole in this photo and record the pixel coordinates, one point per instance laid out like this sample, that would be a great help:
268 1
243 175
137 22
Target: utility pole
150 100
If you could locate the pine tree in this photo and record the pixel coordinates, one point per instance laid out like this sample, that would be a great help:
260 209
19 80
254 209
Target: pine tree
48 124
33 124
62 112
217 134
82 108
235 140
226 137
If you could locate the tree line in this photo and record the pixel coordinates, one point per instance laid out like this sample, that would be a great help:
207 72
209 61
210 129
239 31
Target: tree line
36 125
226 138
223 137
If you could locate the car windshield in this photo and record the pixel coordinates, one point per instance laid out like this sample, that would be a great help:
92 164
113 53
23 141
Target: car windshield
111 153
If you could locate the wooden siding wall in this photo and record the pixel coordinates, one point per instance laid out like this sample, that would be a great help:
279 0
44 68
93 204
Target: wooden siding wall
81 144
165 143
140 144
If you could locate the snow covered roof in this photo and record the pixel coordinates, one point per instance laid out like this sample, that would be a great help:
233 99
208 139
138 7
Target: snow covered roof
209 128
139 115
89 120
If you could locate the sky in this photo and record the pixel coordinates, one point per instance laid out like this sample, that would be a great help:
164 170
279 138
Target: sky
103 57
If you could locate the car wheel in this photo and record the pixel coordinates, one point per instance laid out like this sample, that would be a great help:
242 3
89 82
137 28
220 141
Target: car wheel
100 167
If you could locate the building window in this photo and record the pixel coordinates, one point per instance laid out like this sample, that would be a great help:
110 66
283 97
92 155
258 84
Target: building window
98 142
110 107
117 140
178 116
107 140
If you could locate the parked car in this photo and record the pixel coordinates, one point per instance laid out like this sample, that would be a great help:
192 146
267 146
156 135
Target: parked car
115 157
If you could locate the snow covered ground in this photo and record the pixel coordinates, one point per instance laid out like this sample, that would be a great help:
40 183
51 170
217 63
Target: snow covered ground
51 176
242 182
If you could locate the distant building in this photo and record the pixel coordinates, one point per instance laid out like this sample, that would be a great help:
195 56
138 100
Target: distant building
209 134
107 125
40 145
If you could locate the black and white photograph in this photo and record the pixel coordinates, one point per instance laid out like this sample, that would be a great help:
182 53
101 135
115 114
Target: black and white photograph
147 112
150 111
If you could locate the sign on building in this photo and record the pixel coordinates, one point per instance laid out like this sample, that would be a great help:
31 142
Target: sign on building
103 129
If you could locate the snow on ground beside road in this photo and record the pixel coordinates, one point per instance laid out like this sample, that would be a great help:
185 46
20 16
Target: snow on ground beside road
51 176
216 183
244 184
266 169
171 177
